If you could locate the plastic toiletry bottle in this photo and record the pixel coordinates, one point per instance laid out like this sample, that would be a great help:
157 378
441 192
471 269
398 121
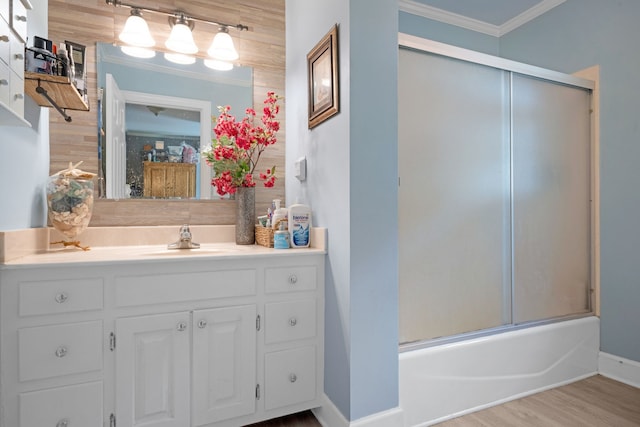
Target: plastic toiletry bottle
300 225
281 237
278 214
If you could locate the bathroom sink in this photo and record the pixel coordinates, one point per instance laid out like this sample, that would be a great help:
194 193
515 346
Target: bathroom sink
203 250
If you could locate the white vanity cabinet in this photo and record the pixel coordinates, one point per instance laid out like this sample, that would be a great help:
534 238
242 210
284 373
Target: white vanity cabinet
204 341
13 36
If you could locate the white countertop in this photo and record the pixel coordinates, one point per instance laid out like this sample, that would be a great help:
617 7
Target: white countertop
72 255
105 248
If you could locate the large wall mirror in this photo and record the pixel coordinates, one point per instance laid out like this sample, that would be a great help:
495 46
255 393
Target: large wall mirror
156 120
94 24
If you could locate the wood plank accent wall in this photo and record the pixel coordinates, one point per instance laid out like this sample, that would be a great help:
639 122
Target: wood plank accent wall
262 47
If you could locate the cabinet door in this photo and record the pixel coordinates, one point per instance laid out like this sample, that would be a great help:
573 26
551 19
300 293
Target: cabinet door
152 370
224 363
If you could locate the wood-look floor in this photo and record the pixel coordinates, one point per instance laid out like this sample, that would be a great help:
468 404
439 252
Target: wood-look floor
594 402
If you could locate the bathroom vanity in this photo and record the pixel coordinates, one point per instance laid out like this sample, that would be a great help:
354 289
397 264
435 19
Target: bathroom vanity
224 335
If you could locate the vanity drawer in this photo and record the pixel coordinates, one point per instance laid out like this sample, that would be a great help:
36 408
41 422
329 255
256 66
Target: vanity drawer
5 44
18 19
287 279
60 296
290 377
77 405
5 83
52 351
172 288
290 320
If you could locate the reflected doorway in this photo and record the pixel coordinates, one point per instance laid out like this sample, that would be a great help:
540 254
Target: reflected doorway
159 131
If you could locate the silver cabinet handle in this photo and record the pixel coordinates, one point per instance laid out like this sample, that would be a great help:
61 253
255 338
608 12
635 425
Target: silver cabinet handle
4 38
293 321
19 56
181 326
4 82
61 298
293 378
21 18
61 351
63 423
202 324
18 96
293 279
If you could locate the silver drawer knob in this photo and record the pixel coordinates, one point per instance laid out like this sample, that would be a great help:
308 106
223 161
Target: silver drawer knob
4 38
181 326
62 297
19 56
293 378
61 351
21 18
293 279
4 82
63 423
202 324
18 96
293 321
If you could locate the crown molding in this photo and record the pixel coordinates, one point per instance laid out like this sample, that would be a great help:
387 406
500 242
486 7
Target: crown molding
430 12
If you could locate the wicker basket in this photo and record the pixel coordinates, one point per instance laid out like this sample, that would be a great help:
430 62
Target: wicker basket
264 235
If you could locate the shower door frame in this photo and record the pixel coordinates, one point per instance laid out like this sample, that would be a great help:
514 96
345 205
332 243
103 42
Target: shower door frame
429 46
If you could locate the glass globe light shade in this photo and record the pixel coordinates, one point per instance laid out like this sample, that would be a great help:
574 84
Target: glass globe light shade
136 31
181 39
222 47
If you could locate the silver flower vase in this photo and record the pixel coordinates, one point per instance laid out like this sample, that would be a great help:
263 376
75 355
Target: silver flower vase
245 215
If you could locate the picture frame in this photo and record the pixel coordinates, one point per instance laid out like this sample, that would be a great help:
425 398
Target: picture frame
322 71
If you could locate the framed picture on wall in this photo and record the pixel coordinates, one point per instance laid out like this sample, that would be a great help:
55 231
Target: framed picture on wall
322 71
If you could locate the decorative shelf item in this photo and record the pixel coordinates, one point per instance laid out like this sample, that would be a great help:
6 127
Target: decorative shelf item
54 91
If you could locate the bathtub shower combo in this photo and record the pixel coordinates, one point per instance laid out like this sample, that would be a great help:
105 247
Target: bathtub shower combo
496 226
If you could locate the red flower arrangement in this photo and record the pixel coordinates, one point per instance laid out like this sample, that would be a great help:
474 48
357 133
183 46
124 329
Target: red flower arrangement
237 147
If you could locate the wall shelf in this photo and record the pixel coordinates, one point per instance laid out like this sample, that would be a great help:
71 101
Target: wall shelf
54 91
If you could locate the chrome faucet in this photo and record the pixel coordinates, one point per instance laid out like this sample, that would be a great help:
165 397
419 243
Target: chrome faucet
185 241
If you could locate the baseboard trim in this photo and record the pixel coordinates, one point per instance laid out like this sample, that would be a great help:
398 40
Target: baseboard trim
620 369
330 416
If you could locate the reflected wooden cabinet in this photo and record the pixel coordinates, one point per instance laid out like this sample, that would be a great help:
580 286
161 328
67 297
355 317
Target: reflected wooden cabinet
165 179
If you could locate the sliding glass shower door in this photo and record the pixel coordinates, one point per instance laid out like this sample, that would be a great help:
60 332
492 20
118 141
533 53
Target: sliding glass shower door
493 200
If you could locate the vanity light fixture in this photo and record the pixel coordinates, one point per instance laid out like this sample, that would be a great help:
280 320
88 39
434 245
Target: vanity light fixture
181 37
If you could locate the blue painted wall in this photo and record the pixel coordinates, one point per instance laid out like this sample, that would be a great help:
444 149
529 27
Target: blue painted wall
24 154
352 189
573 36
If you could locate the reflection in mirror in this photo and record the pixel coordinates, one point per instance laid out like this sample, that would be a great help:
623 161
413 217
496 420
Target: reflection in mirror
156 118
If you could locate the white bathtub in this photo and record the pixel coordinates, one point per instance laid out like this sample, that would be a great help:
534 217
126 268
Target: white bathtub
447 381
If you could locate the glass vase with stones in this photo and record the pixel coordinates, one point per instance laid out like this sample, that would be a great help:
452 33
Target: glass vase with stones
70 205
245 215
